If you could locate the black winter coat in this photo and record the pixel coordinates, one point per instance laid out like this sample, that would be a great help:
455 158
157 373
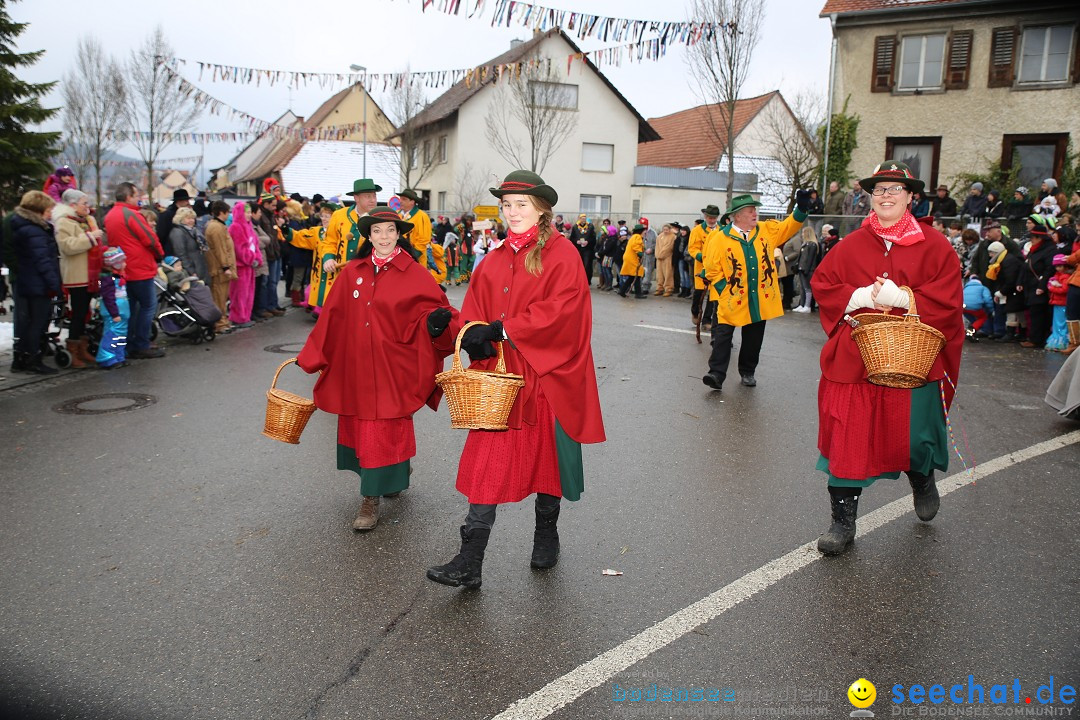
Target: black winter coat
1038 269
1009 277
37 255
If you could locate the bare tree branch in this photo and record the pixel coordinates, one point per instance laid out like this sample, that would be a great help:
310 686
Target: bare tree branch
154 104
471 186
785 129
408 100
537 102
93 94
720 62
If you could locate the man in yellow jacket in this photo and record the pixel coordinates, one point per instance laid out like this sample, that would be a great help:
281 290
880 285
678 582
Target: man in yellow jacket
430 254
696 247
341 241
740 271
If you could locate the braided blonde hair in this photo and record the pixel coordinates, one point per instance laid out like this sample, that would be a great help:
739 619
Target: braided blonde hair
533 263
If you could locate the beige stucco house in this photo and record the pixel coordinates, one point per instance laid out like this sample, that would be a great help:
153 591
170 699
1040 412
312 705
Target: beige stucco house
592 168
952 86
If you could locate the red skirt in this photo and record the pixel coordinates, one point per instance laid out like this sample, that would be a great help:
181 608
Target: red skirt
510 465
378 443
863 429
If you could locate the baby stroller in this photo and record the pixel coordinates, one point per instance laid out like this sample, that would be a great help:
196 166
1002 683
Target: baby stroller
51 343
190 314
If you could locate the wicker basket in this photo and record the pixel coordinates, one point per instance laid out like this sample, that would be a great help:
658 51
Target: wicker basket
897 352
286 414
479 400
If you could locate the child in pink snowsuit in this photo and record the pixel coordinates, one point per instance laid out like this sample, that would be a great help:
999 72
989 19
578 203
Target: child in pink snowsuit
248 257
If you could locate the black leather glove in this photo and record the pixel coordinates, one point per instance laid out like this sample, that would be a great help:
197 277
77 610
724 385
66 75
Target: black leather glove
477 340
802 200
437 321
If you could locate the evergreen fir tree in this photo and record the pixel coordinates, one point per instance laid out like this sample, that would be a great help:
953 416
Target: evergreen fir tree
24 155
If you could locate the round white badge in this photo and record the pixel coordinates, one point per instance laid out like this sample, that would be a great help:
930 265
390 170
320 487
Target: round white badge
356 293
360 281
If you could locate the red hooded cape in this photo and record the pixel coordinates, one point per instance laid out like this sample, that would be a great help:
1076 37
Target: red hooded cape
549 322
372 345
930 268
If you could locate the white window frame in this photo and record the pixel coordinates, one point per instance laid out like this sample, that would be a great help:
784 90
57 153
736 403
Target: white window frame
921 83
1047 31
611 159
442 148
599 205
442 200
535 85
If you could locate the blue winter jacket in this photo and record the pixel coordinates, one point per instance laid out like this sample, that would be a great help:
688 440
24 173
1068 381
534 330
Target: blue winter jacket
977 296
37 255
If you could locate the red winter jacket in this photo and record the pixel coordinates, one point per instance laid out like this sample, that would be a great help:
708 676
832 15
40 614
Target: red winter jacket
127 229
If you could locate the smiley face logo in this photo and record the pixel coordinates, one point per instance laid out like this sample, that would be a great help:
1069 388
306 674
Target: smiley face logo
862 693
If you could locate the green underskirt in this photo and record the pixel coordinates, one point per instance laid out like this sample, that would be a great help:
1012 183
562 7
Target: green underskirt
374 482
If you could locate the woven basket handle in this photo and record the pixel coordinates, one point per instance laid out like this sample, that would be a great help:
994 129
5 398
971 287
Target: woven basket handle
280 368
913 311
500 366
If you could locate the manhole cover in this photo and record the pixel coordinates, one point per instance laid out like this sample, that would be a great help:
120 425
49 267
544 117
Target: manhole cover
292 348
105 403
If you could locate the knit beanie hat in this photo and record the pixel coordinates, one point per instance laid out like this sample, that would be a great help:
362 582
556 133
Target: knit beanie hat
114 257
1060 259
996 247
169 260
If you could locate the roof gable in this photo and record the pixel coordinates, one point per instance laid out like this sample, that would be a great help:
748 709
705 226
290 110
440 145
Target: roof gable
450 101
690 137
842 7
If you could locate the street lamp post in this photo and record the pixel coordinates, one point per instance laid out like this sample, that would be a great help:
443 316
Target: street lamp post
363 84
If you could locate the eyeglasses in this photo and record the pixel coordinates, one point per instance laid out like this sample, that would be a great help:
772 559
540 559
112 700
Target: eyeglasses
892 190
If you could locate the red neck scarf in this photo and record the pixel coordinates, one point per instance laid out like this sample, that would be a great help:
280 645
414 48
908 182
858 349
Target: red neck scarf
379 262
520 240
905 232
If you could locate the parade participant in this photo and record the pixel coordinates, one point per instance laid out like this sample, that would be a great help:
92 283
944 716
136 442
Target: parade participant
378 345
533 292
868 431
633 267
696 248
305 242
248 258
431 255
341 241
741 272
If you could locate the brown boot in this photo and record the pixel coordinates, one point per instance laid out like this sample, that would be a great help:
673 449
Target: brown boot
1074 336
73 350
368 517
84 351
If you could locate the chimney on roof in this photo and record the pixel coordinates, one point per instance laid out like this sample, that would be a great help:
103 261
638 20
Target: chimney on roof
515 43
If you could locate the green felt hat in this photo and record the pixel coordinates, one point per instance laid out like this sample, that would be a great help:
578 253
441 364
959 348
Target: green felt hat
364 185
711 210
739 202
410 194
639 228
382 214
893 170
523 182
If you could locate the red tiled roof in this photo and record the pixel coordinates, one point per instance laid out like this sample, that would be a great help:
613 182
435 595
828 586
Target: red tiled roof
860 6
693 138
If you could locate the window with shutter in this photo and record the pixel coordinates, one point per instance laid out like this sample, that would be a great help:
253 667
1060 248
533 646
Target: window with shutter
884 56
1076 57
956 77
1002 57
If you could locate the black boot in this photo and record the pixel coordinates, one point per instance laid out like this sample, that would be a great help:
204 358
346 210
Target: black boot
35 365
546 540
465 568
845 505
924 492
19 362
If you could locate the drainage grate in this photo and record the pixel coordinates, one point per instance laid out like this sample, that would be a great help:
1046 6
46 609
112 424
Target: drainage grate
292 348
105 403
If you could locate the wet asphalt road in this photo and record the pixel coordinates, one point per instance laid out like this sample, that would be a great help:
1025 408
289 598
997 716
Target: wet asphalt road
171 562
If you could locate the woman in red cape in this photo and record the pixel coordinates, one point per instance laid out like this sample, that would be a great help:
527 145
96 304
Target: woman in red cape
532 290
867 431
380 340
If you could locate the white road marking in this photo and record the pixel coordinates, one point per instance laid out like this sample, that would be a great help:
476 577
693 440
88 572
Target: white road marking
661 327
568 688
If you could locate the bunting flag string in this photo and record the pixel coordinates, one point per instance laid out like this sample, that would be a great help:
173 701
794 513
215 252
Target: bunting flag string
163 163
583 25
183 138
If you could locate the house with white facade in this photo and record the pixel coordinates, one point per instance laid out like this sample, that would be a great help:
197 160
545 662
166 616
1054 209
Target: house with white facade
592 166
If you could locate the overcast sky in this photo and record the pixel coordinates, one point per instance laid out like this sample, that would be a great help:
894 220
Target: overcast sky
388 36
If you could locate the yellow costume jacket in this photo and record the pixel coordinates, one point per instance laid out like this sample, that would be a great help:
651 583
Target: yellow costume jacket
340 242
631 259
309 239
696 247
420 238
741 272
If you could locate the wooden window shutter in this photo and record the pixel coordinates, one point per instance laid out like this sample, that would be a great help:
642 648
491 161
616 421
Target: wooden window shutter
1076 57
884 59
956 73
1002 57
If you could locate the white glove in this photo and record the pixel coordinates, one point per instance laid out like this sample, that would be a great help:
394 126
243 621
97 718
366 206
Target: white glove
860 299
891 295
999 298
